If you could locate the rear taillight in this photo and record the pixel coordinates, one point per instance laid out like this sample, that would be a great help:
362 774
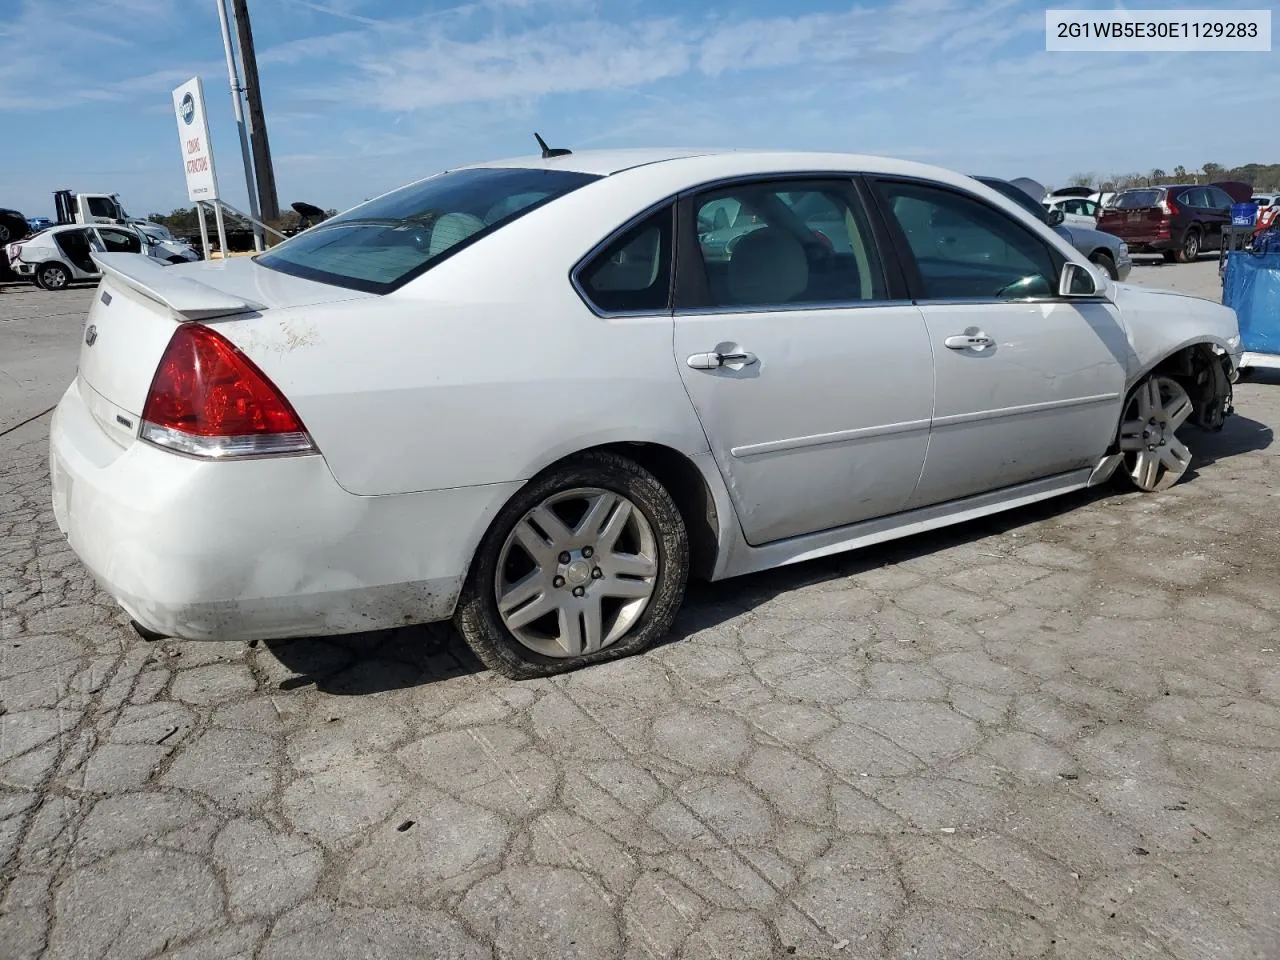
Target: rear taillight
208 399
1168 207
14 250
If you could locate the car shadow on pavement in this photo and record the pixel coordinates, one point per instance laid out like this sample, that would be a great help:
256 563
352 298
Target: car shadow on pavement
1239 435
356 664
398 659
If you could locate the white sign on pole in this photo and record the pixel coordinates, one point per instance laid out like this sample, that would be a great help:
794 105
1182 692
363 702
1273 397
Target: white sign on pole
193 134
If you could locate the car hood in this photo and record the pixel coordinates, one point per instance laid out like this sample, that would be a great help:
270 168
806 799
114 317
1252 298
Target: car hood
1161 322
1088 237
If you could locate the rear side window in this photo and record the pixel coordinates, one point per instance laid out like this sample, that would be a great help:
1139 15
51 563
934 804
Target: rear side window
383 244
785 243
1193 198
1219 198
633 273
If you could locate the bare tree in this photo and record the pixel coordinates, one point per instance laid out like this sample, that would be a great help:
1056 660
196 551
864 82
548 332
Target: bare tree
1082 179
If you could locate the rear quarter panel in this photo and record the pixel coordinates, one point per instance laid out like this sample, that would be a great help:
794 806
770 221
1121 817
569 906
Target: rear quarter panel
484 370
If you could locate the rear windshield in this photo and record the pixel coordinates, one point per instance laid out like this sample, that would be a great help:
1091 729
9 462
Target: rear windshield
382 244
1135 199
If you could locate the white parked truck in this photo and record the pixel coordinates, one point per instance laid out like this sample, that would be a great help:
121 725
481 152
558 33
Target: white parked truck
72 207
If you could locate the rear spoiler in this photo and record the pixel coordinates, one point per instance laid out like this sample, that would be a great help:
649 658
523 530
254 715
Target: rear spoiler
186 297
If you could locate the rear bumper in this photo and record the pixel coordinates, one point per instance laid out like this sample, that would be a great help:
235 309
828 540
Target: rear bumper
1152 245
23 269
255 549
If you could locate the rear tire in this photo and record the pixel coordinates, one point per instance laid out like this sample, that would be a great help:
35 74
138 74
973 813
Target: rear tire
1189 250
52 276
624 622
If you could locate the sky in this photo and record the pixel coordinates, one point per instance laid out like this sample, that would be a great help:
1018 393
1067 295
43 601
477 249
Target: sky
364 95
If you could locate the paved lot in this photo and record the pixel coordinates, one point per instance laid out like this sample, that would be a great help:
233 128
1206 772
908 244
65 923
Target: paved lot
1056 734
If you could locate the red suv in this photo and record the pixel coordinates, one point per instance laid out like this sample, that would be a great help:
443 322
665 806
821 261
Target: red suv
1178 221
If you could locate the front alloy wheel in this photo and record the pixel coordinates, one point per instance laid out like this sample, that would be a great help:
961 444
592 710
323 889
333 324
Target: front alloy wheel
1153 455
587 562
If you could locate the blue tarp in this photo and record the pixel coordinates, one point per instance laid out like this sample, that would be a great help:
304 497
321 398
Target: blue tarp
1251 286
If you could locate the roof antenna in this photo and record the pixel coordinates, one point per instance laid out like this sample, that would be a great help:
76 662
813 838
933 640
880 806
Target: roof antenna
549 152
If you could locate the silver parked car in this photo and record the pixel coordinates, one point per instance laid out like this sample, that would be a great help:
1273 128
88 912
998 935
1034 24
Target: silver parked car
60 256
1109 252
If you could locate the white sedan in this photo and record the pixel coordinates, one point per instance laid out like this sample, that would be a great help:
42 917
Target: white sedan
59 256
536 396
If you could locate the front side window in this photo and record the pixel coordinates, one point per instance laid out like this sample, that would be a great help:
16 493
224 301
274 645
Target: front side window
966 250
118 241
786 243
633 273
382 244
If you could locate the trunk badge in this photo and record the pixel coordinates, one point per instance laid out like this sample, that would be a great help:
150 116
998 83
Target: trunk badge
91 335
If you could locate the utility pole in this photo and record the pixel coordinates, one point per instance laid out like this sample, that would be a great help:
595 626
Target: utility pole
268 202
259 237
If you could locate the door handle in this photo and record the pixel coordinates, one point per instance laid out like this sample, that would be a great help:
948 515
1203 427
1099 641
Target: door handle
979 341
710 361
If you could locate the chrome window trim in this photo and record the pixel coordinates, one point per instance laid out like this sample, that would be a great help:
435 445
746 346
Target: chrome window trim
790 307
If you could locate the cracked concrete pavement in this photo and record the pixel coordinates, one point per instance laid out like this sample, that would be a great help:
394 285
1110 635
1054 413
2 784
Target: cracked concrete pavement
1051 734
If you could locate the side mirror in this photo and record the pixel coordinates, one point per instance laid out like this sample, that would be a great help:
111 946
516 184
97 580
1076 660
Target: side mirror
1056 217
1077 280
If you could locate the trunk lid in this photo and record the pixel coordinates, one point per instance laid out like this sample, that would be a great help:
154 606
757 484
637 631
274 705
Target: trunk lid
140 303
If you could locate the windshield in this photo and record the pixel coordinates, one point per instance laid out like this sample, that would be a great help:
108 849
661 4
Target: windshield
382 244
1136 199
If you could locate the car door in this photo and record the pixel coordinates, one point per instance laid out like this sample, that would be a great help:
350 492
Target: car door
1028 384
75 246
808 367
1194 202
1218 214
1074 214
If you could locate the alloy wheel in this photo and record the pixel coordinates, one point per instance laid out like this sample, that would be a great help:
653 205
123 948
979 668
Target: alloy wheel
53 278
1191 246
576 573
1154 457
